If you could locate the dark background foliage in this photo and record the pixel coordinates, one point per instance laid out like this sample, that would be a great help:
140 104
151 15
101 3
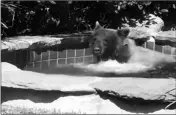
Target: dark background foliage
58 17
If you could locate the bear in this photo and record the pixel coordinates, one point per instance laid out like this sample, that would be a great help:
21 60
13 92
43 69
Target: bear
115 45
109 44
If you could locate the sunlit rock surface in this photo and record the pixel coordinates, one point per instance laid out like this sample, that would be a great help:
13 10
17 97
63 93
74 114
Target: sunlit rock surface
29 42
120 83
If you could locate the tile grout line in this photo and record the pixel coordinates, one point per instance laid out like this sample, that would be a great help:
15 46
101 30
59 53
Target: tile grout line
162 49
20 58
57 63
34 59
83 55
26 58
153 46
66 51
61 58
145 44
41 60
170 51
49 59
74 55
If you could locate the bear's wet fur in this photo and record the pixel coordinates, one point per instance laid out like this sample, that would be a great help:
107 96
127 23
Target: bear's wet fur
109 44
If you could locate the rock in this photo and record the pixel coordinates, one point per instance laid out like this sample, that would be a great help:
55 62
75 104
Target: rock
7 67
154 23
151 23
29 42
166 38
142 88
63 93
141 34
44 43
17 78
151 29
161 38
130 84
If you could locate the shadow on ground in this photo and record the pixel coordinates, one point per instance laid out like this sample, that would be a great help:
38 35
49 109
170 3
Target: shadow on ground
36 96
133 105
136 105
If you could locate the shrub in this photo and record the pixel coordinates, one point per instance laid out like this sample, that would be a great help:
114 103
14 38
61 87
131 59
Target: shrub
55 17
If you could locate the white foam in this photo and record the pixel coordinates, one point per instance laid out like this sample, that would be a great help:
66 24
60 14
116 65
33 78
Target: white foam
114 67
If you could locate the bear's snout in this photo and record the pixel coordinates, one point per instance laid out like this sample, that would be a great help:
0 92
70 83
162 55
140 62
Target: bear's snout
97 50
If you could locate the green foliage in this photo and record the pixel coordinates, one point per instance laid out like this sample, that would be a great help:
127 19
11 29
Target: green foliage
54 17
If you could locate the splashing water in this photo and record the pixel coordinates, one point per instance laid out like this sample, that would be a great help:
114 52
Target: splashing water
114 67
142 60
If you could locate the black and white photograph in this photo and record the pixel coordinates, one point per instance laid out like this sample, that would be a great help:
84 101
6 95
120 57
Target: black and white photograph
88 57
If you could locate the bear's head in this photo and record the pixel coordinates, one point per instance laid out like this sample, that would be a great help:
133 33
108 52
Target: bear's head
105 42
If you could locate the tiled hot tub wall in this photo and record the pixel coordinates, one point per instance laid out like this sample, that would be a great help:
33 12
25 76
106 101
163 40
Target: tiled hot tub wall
30 60
163 49
53 58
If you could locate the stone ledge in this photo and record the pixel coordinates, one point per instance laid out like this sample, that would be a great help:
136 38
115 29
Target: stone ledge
124 87
161 38
13 77
78 41
43 43
28 42
138 88
86 104
166 38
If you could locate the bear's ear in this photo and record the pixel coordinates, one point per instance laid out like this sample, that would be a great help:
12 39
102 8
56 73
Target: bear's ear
123 33
97 26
